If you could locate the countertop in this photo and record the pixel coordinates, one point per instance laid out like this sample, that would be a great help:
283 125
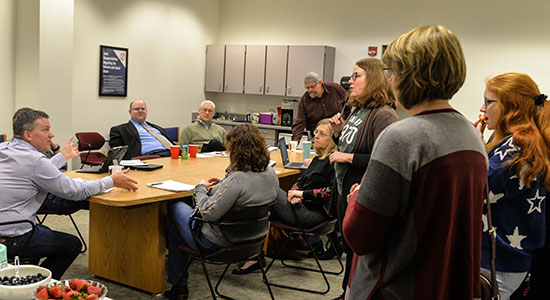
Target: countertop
264 126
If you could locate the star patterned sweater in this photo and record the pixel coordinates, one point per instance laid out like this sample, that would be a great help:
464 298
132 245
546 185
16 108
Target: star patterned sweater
517 213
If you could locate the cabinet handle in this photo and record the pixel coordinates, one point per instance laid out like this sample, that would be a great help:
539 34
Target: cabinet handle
289 90
260 88
219 86
267 89
227 87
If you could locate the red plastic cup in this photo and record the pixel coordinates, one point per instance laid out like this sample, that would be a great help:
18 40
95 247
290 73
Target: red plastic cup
193 149
174 152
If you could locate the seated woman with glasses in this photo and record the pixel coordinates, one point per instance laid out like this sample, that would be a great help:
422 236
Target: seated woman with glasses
250 182
519 174
314 186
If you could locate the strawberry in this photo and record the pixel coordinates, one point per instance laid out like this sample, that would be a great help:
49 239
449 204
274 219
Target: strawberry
94 290
42 294
82 285
55 292
92 297
68 295
73 283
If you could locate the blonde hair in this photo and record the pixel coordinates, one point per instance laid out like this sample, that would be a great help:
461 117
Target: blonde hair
331 146
427 63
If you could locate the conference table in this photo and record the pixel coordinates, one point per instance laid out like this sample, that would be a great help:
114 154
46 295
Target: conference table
127 241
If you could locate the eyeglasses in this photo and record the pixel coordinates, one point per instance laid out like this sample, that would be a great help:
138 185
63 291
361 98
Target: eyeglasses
207 110
488 101
320 133
388 72
309 87
354 75
139 108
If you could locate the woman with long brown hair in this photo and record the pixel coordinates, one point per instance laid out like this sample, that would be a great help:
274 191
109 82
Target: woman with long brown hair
250 182
372 111
519 173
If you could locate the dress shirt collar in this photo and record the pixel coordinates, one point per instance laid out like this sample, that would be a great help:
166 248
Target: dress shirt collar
204 124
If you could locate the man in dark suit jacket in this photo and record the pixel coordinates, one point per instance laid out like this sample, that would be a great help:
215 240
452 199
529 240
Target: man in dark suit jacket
142 138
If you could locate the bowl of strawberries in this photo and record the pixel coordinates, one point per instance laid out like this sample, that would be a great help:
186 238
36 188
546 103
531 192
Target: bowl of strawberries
72 289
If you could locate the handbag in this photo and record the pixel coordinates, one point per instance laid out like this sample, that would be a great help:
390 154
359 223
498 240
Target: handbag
489 284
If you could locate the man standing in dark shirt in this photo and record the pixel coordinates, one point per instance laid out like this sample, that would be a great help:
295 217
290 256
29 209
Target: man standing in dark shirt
321 100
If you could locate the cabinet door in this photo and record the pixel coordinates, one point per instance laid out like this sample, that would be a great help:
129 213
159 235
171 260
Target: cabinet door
234 69
275 70
254 73
302 60
215 58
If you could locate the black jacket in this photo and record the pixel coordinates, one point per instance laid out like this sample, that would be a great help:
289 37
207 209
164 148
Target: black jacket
126 134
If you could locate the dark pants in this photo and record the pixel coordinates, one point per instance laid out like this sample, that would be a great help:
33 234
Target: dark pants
63 206
179 233
309 215
60 249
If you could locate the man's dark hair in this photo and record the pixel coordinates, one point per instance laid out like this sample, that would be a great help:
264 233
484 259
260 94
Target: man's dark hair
26 120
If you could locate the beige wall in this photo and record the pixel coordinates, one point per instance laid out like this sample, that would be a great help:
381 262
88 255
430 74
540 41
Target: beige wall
497 36
7 64
167 38
166 42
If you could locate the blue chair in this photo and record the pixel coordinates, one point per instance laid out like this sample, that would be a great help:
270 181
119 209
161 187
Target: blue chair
2 137
173 134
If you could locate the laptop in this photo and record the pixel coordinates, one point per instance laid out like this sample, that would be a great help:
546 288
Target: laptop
114 153
284 157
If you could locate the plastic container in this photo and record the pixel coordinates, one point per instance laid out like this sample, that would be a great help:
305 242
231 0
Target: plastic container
266 118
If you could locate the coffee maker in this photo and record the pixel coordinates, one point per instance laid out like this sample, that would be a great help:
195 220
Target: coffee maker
289 109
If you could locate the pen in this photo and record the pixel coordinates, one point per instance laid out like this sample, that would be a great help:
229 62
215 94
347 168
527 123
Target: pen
155 184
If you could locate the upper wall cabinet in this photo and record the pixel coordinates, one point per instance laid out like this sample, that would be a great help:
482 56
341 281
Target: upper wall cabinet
215 63
254 70
305 59
234 69
266 70
275 70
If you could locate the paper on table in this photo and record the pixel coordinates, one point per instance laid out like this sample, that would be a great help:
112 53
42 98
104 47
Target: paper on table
212 154
135 162
171 185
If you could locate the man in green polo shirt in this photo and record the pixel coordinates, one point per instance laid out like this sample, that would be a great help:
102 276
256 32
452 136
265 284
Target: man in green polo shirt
203 132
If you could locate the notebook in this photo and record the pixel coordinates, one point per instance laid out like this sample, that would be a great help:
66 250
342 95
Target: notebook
284 157
115 153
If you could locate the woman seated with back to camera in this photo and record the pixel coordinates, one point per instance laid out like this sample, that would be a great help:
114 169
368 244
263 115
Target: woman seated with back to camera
310 195
250 182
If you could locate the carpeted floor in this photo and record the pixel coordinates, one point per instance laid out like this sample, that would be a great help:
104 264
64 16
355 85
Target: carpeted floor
240 287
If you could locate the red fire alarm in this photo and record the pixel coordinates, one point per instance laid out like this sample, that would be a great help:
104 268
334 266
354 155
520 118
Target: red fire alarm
373 50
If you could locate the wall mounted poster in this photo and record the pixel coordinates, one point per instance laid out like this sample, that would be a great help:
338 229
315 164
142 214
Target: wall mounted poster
113 71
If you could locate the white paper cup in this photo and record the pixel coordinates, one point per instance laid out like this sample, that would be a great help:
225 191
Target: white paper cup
293 145
113 169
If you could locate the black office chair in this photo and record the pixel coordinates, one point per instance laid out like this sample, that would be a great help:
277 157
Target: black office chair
323 228
32 260
244 227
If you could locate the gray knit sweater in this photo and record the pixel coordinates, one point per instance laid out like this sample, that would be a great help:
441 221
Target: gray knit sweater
236 189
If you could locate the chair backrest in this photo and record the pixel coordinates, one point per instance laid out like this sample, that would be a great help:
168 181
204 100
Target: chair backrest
245 224
2 137
89 141
173 133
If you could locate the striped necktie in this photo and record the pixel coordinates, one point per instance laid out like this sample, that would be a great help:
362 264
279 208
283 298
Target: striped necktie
162 140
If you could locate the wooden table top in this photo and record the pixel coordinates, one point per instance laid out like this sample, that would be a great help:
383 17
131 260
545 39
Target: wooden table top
189 171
